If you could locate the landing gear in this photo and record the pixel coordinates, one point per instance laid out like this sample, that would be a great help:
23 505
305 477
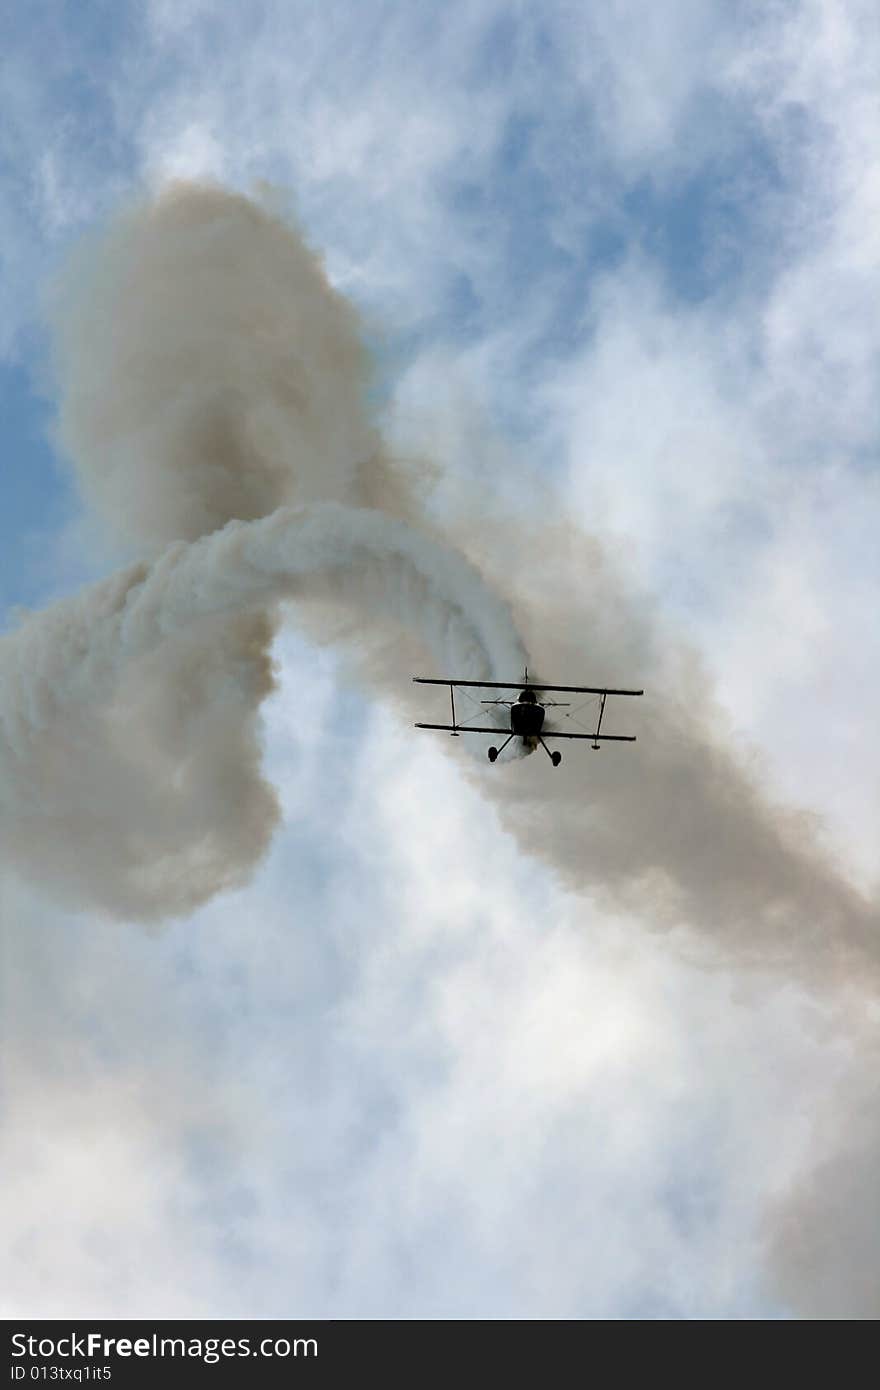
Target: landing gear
493 752
555 758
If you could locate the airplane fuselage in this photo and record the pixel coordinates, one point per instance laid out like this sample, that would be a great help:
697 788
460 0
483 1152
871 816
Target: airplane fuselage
527 719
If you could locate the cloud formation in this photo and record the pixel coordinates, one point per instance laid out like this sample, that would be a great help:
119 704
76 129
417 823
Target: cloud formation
686 855
214 399
209 372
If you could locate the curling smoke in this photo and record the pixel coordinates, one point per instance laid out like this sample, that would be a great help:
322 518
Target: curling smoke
215 401
210 375
130 763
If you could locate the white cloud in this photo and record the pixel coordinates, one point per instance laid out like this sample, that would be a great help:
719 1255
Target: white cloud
437 1084
426 1083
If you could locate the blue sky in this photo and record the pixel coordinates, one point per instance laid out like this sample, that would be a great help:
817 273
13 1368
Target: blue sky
35 496
619 264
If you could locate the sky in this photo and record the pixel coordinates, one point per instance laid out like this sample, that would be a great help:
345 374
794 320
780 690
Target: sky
617 268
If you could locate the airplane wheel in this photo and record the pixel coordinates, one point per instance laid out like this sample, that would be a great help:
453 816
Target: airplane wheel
493 754
556 759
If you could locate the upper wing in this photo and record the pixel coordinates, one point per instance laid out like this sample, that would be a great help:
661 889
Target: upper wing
481 685
530 685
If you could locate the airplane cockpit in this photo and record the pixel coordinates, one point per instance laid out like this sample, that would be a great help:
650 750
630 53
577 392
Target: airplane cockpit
527 715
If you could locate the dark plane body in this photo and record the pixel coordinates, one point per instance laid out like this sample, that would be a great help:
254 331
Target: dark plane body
528 713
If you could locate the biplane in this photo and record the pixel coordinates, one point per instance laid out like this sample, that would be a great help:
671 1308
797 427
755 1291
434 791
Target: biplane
528 712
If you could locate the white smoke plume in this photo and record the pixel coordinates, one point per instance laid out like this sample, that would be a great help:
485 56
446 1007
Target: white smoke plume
129 770
215 400
679 827
209 372
210 376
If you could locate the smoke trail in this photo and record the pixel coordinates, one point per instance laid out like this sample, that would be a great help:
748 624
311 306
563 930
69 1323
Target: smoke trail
209 374
215 401
679 827
129 767
681 830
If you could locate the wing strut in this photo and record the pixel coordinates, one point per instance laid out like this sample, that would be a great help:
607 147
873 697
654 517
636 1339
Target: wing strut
599 725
